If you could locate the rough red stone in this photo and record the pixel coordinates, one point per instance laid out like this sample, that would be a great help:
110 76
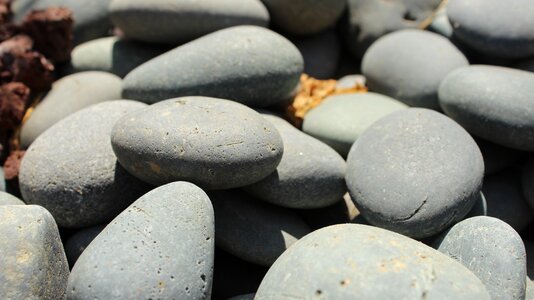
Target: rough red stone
13 99
12 165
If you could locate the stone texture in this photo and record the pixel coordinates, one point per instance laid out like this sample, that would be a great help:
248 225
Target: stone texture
77 243
159 247
8 199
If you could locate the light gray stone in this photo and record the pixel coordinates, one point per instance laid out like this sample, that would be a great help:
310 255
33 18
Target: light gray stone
8 199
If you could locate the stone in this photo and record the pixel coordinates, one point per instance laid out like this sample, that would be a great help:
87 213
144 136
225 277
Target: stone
77 243
215 143
529 248
8 199
492 250
2 179
175 22
350 81
71 169
494 103
224 64
480 208
351 261
305 17
409 65
496 157
498 38
33 262
111 54
441 24
321 53
68 95
415 172
339 120
243 297
310 174
159 247
254 231
527 182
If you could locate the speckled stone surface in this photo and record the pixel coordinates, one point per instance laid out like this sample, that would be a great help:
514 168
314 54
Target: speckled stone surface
8 199
415 172
352 261
310 174
339 120
77 243
409 65
248 64
492 250
68 95
33 262
175 22
215 143
507 33
321 54
159 247
494 103
72 171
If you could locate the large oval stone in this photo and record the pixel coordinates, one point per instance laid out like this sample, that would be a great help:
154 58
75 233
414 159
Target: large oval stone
415 172
352 261
215 143
159 247
494 103
248 64
72 171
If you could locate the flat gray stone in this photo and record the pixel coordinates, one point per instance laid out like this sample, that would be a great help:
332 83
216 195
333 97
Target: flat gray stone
415 172
72 171
353 261
321 53
215 143
69 95
305 17
409 65
254 231
33 262
494 103
77 242
310 174
8 199
492 250
339 120
159 247
508 34
178 21
247 64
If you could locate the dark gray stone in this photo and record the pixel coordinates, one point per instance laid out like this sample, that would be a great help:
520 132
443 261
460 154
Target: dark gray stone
494 27
321 54
33 262
67 96
494 103
305 17
243 297
8 199
415 172
368 20
505 199
175 22
409 65
72 171
248 64
352 261
77 243
159 247
527 181
310 174
340 120
496 157
215 143
492 250
254 231
111 54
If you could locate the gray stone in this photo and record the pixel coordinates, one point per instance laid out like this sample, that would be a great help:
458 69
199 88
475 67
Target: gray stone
305 17
243 297
68 95
321 54
111 54
492 250
215 143
415 172
527 181
340 120
497 157
494 103
77 243
248 64
352 261
159 247
409 65
72 171
441 24
178 21
310 174
2 180
33 262
529 294
350 81
508 33
505 199
529 248
254 231
368 20
8 199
